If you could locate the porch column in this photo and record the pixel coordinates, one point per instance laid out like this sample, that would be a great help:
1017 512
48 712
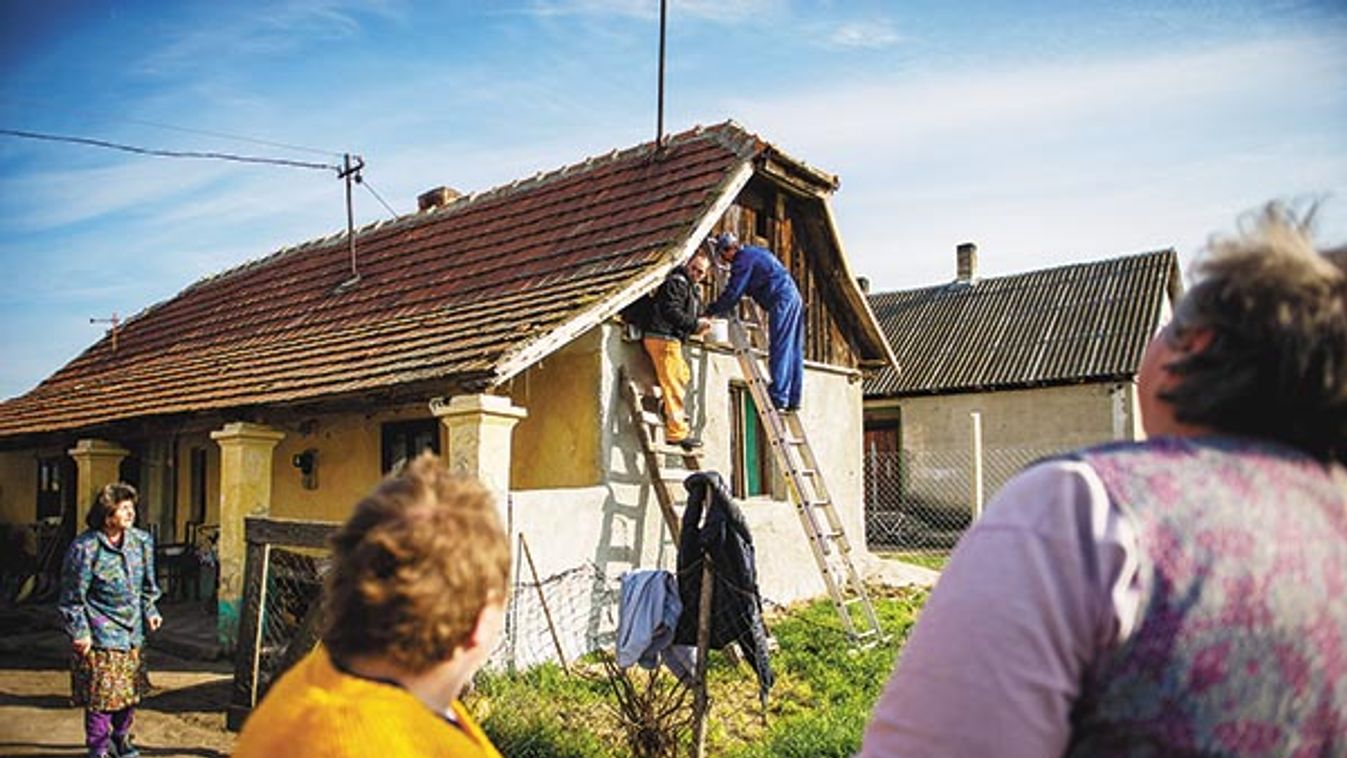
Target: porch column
245 489
480 429
97 462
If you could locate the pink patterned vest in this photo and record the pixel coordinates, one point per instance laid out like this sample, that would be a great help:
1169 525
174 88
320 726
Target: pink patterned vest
1242 646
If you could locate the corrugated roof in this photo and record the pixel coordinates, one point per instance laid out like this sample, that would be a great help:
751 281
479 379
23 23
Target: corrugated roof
1086 321
445 294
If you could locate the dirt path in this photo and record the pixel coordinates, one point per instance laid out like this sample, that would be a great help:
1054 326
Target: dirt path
184 715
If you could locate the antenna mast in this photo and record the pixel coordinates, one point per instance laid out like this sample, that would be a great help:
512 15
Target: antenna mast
659 119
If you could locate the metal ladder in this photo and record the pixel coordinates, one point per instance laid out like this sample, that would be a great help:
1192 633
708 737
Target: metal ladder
645 416
827 536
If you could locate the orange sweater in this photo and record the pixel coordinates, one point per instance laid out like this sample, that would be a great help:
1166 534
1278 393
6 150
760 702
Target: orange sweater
316 710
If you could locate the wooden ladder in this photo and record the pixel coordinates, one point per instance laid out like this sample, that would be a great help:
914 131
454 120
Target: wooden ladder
645 416
827 536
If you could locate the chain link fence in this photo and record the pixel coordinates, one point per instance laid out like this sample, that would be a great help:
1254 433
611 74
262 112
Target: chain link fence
918 503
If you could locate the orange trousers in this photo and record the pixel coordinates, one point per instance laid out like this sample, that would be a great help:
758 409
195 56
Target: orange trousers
673 373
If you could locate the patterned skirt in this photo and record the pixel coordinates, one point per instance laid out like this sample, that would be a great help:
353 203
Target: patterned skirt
108 680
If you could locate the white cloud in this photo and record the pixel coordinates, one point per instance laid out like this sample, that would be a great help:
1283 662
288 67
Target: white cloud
868 35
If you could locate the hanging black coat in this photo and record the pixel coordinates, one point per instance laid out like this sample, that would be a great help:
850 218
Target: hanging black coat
736 605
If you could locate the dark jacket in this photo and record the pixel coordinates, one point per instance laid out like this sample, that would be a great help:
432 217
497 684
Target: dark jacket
736 606
675 308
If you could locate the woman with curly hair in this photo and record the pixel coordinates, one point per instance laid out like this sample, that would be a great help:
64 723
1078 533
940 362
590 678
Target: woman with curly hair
1181 596
415 602
108 596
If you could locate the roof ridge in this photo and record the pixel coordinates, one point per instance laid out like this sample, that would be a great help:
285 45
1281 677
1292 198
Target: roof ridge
1059 268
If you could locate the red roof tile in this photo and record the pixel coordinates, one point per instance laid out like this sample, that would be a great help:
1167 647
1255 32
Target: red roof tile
445 294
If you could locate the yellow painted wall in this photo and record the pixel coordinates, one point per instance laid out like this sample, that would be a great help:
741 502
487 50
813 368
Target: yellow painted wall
18 487
557 445
348 447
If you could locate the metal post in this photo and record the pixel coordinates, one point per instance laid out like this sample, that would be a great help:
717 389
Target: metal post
700 702
659 119
542 600
976 450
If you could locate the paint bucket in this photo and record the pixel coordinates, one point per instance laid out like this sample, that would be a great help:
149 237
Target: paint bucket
720 331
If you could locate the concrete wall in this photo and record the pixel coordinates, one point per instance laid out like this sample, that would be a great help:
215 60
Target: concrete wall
1018 426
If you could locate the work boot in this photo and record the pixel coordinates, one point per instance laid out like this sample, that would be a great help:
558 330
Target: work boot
122 747
690 444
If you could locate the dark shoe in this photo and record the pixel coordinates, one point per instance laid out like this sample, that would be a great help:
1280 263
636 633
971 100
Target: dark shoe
689 444
122 747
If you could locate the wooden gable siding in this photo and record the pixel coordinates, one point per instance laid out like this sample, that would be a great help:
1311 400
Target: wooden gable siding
763 215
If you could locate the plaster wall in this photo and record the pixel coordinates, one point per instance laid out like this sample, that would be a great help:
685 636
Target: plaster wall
617 526
18 486
186 444
557 444
348 455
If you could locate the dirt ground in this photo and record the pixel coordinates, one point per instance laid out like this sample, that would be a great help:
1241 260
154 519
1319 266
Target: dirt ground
183 716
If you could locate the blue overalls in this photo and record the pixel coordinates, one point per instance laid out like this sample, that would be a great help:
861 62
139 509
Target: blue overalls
757 273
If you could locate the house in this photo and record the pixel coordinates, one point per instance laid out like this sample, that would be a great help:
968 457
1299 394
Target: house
1029 364
482 327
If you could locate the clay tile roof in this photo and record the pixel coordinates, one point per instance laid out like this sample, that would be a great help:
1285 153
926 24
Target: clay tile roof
469 292
1087 321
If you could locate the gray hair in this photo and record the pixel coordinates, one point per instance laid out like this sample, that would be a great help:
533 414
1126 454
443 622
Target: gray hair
1276 366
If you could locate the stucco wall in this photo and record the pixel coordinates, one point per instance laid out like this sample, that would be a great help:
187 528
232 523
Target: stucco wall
186 443
557 444
18 487
617 526
348 450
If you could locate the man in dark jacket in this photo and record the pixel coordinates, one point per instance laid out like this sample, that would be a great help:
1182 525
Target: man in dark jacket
674 318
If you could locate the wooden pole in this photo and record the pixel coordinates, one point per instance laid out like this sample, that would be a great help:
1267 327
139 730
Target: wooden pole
701 702
542 599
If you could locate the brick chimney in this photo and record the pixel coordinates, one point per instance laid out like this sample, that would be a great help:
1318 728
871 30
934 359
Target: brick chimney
437 198
967 255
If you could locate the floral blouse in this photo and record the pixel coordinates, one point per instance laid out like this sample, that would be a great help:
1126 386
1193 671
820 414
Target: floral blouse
109 591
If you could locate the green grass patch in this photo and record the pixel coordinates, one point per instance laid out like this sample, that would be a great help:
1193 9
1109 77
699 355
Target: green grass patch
818 708
931 559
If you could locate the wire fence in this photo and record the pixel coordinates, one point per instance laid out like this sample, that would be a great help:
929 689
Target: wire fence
918 503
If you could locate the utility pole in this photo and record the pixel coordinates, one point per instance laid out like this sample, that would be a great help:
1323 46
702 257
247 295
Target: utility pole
115 321
350 172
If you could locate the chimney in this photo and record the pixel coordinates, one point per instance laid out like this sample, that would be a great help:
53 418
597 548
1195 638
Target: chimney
967 254
436 198
864 283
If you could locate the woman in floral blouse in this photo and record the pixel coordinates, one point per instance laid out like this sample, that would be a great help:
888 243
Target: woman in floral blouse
107 603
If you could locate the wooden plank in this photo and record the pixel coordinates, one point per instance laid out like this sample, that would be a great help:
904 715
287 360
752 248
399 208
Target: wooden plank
288 532
244 695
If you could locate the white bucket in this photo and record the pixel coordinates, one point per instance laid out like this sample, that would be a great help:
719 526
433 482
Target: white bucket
720 331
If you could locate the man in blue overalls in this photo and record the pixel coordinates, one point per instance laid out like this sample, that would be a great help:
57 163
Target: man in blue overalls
755 271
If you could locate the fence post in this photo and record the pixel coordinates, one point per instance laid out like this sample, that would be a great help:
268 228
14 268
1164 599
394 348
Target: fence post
249 649
700 701
975 419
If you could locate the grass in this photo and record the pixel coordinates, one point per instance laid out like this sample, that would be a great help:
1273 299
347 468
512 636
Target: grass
931 559
818 708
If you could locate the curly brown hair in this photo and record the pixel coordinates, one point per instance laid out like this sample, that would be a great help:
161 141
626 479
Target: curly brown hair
414 566
1276 367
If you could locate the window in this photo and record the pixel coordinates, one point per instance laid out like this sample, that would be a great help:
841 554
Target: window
55 486
404 440
748 442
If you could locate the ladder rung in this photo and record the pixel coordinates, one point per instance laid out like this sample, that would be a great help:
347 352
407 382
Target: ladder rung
678 450
675 475
651 418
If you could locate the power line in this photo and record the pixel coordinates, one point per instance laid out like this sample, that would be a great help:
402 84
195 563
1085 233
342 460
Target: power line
365 183
171 153
237 137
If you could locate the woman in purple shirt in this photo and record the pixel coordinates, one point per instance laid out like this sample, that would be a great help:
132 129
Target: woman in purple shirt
1181 596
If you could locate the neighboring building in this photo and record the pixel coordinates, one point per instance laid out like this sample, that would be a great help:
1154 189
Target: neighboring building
1046 359
482 327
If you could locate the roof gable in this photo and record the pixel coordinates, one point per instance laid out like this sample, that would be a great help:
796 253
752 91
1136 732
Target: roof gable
1087 321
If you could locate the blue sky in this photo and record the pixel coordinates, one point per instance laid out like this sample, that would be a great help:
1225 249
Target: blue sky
1047 132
